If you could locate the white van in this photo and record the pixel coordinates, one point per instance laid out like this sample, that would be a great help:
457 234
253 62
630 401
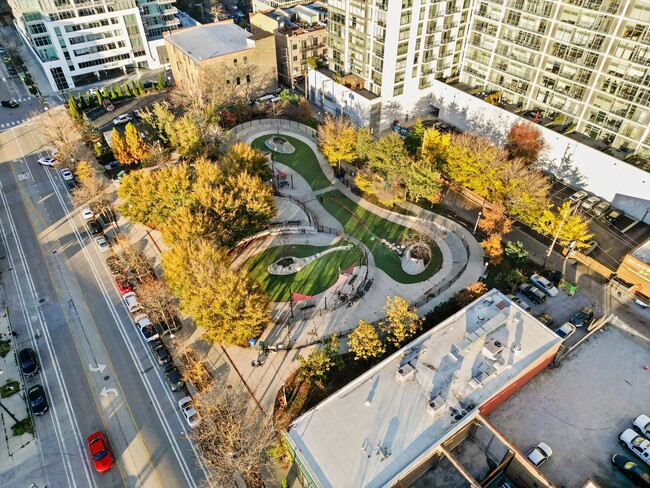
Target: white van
131 302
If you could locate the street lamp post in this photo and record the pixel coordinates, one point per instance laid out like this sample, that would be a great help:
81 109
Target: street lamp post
477 221
557 234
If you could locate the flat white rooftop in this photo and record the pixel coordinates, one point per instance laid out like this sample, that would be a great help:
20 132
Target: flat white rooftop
370 431
211 40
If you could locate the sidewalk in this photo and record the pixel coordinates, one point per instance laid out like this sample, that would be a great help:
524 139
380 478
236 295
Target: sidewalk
18 454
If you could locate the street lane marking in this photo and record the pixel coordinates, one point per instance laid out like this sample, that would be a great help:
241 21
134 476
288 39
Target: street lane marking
100 368
105 391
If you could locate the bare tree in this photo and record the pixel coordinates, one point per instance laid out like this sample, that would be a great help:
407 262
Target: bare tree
159 302
90 189
234 438
61 131
135 260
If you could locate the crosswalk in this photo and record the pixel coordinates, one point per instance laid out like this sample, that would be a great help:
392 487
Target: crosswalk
7 125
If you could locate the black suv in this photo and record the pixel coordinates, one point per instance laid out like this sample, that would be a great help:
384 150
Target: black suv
532 292
27 361
160 352
94 227
9 103
173 377
584 317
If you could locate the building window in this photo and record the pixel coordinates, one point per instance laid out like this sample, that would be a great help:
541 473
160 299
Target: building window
59 78
234 61
398 90
248 78
238 80
245 59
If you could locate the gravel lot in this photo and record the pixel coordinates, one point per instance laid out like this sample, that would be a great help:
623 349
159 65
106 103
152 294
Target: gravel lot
581 407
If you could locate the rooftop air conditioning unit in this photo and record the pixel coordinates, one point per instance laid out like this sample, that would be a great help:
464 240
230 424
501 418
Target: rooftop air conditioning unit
492 349
436 406
405 372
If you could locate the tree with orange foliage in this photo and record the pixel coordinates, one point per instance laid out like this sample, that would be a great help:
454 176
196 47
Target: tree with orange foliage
467 295
493 248
524 141
495 220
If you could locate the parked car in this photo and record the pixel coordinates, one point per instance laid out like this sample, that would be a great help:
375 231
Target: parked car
147 329
28 362
638 444
93 91
108 105
583 317
532 292
71 184
590 203
601 208
122 119
94 227
189 412
11 103
556 277
566 330
148 85
521 302
47 161
67 174
543 284
160 352
632 470
539 454
613 217
99 452
173 377
642 425
123 286
102 243
546 319
136 115
37 400
131 302
577 196
87 213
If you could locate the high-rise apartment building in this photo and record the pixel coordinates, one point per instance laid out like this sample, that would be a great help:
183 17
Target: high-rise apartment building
585 62
78 42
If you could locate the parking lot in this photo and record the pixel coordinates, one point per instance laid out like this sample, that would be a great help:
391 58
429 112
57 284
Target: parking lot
581 407
563 306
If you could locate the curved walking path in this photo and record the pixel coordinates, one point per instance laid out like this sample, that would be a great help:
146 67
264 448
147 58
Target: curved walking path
457 245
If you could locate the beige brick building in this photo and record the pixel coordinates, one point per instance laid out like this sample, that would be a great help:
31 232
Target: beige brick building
300 34
223 57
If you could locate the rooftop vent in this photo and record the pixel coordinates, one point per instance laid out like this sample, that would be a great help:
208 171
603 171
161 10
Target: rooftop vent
436 406
493 348
405 373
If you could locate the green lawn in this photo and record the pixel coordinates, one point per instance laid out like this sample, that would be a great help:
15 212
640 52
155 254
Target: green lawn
385 259
315 278
302 160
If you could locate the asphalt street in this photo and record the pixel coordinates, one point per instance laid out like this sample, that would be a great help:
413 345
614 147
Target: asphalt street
96 368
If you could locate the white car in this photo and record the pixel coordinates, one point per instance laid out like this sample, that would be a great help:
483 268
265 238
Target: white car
47 161
544 285
93 91
102 243
577 196
131 302
87 213
566 330
67 174
189 412
590 203
147 329
122 119
539 454
601 208
638 444
642 425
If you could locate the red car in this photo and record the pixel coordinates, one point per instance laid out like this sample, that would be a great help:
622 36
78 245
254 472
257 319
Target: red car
102 458
108 105
123 286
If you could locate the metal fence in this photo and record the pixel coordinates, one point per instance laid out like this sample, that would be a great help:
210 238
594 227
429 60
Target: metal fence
279 124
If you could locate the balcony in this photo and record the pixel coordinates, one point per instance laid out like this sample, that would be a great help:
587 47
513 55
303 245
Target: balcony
170 11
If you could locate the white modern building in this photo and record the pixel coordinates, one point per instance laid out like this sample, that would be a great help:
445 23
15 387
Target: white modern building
580 67
83 42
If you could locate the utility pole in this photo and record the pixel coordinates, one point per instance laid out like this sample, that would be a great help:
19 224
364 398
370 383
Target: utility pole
557 234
